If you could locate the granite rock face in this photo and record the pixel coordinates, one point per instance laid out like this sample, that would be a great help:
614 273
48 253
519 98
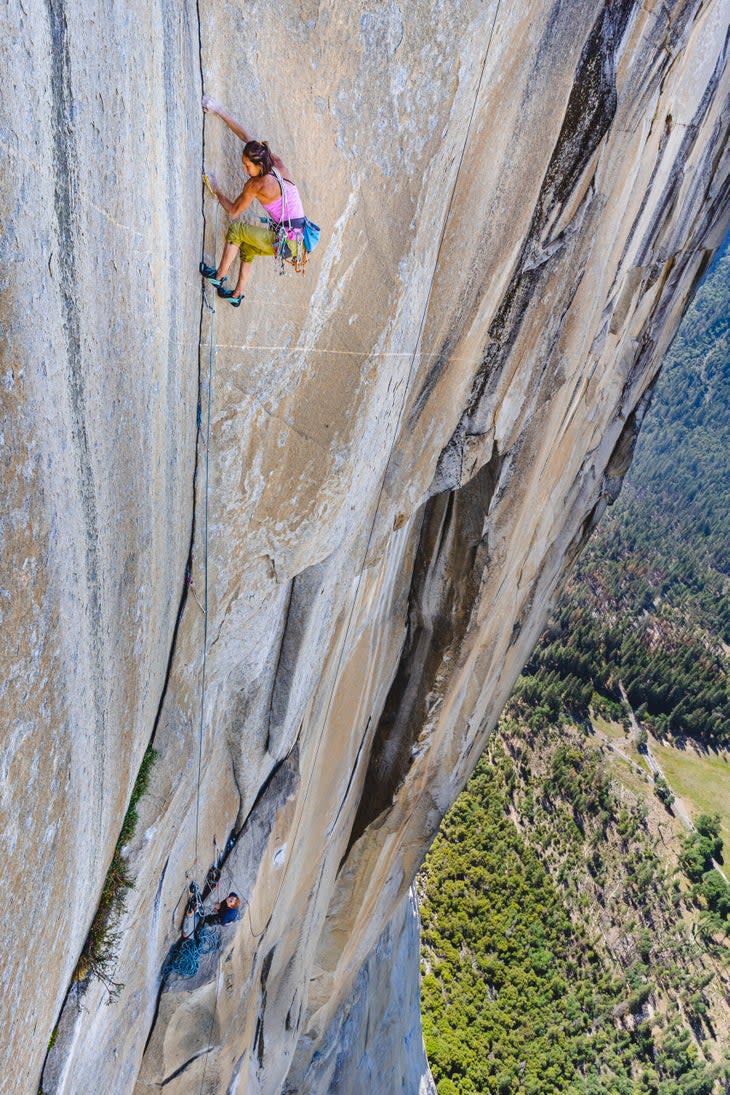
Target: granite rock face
408 448
99 344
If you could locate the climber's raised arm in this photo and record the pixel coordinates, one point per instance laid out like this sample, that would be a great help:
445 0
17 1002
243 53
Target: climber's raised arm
212 106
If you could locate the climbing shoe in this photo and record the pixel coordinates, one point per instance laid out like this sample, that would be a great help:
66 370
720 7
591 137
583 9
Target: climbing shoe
230 296
209 272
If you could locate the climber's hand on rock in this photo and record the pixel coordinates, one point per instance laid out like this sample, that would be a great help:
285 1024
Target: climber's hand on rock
211 105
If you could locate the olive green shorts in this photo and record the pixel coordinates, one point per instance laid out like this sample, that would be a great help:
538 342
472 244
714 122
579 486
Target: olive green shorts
251 239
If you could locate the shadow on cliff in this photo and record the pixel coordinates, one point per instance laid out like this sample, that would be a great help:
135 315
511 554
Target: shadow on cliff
450 564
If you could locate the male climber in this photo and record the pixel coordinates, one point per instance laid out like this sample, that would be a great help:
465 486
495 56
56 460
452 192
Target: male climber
226 911
222 912
270 182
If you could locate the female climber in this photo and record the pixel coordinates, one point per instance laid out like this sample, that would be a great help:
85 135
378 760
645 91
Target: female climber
269 181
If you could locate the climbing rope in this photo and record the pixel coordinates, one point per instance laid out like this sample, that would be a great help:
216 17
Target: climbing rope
206 492
201 936
184 957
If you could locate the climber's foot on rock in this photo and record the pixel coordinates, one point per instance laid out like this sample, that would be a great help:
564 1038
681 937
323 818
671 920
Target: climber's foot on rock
211 274
231 296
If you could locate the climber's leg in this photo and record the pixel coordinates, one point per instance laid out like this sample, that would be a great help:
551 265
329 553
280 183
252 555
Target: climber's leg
244 274
250 240
229 253
190 920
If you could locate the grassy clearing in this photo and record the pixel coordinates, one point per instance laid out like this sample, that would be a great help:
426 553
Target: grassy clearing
628 775
610 729
702 780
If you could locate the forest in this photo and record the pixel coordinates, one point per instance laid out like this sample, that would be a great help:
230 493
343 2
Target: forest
649 602
518 997
572 940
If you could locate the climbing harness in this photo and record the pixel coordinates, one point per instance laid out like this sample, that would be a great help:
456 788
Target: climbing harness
294 237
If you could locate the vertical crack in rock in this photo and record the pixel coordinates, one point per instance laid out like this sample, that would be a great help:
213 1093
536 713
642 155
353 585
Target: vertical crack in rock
170 94
187 578
291 683
351 780
451 560
616 468
589 112
232 1088
65 194
620 459
258 1041
274 791
665 205
252 835
65 201
670 274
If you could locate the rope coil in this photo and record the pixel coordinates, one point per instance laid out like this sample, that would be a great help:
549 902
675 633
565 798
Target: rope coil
184 957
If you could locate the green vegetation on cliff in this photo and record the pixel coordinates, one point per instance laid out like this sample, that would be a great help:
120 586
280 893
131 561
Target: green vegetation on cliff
99 953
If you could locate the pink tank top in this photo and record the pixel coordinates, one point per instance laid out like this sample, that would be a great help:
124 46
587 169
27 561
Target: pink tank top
294 208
